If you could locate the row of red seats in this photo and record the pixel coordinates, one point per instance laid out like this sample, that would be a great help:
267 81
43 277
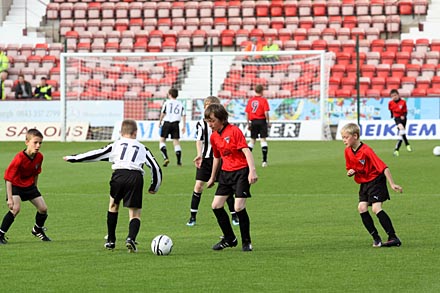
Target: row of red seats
261 8
380 22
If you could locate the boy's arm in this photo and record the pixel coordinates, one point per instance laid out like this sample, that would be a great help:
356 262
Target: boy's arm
393 185
250 161
215 167
156 173
101 154
198 159
36 180
184 124
9 194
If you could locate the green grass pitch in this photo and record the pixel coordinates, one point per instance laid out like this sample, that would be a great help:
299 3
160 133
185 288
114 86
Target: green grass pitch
307 234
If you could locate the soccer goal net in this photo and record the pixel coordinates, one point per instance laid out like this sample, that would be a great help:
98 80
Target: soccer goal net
102 89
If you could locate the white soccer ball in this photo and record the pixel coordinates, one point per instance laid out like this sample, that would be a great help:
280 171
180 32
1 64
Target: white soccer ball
436 151
161 245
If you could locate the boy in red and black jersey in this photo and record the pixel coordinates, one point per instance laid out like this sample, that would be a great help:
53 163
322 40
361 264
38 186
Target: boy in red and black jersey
257 115
372 175
399 111
21 178
236 175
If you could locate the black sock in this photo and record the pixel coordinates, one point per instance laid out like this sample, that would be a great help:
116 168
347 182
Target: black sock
179 157
8 219
405 139
164 152
386 223
40 219
133 228
224 223
195 201
367 220
230 201
243 217
265 151
398 144
112 221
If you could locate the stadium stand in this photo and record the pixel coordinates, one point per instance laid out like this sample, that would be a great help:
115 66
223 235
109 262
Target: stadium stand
332 25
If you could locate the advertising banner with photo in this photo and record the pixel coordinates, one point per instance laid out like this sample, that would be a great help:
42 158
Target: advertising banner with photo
337 109
279 130
380 129
16 131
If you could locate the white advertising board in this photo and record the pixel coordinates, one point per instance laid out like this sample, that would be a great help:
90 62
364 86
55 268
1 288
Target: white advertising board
16 131
386 129
280 130
97 113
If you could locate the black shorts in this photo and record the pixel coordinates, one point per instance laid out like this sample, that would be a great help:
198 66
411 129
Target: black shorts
234 182
258 127
25 193
170 128
204 172
400 121
375 190
127 185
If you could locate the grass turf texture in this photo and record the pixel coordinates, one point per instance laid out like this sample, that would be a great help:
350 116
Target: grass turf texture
307 234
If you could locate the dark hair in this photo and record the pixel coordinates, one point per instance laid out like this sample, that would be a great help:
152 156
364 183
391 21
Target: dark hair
33 132
394 91
173 92
43 78
219 112
259 89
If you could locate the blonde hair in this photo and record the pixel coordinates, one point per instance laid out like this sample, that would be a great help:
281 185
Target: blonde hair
352 129
211 100
128 127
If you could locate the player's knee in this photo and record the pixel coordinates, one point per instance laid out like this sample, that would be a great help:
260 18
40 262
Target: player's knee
42 210
362 209
15 211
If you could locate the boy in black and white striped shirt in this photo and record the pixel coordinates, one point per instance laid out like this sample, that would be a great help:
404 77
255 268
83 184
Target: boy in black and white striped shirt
128 156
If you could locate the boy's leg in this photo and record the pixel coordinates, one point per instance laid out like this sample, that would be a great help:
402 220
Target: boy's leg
178 151
387 225
8 219
245 230
112 221
368 222
133 228
223 220
264 150
40 218
163 150
231 201
195 201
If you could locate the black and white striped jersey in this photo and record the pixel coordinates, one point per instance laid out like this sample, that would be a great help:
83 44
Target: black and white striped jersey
124 153
203 133
173 110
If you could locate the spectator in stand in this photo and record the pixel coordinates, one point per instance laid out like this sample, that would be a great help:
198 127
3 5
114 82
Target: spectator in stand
43 90
4 61
270 46
253 46
23 88
3 76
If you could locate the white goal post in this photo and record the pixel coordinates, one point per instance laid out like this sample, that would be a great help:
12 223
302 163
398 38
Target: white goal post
103 88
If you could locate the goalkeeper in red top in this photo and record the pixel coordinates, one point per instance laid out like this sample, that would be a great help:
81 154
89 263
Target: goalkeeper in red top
236 175
398 110
21 178
372 175
257 115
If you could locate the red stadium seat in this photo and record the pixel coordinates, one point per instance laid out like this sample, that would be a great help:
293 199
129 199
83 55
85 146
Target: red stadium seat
290 8
413 70
276 8
383 70
405 7
398 70
419 92
319 7
234 9
377 83
388 57
262 8
402 57
407 45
